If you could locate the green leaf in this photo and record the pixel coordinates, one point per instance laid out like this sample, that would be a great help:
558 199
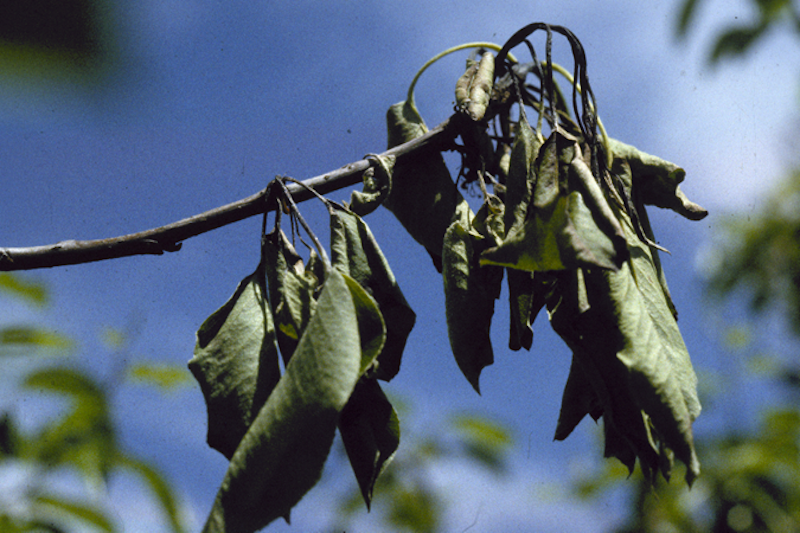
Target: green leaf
470 291
85 437
48 509
24 339
292 289
578 400
236 362
656 181
736 41
282 455
423 197
568 225
370 431
355 252
371 327
485 441
521 175
163 376
30 291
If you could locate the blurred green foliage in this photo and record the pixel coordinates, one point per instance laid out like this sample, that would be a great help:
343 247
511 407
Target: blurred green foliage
80 442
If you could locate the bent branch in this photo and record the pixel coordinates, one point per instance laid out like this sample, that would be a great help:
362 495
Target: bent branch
168 238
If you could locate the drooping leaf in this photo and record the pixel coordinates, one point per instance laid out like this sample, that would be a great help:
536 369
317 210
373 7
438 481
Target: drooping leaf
567 223
371 327
282 455
470 291
236 362
370 431
656 181
521 175
423 197
354 251
292 289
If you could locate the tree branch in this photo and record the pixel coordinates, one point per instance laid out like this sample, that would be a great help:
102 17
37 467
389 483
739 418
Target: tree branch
168 238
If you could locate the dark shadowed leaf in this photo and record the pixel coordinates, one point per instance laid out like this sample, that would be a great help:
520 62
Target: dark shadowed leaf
423 197
370 431
236 362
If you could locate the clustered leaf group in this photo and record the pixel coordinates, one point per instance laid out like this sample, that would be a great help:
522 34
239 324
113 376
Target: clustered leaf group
562 219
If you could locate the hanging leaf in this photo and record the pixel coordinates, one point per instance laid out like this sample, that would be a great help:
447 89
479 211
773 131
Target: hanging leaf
521 175
565 227
236 362
423 197
470 291
370 431
282 455
354 251
292 288
371 327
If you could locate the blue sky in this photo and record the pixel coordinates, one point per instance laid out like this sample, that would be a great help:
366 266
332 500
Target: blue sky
211 100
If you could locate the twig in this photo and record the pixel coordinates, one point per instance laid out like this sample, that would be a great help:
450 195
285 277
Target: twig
168 238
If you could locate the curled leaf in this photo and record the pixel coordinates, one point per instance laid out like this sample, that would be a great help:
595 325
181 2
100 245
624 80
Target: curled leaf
236 362
657 181
377 185
474 87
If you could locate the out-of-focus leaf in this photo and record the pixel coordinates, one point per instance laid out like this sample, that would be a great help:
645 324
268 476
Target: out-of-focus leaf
423 197
687 13
236 362
354 251
24 339
84 437
10 439
292 288
470 291
160 488
48 508
282 455
163 376
736 41
370 431
484 440
28 290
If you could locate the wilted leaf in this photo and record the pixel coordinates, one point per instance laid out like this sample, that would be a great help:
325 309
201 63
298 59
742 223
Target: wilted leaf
423 197
355 252
474 88
565 227
282 455
656 181
370 431
470 291
521 175
292 288
236 362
